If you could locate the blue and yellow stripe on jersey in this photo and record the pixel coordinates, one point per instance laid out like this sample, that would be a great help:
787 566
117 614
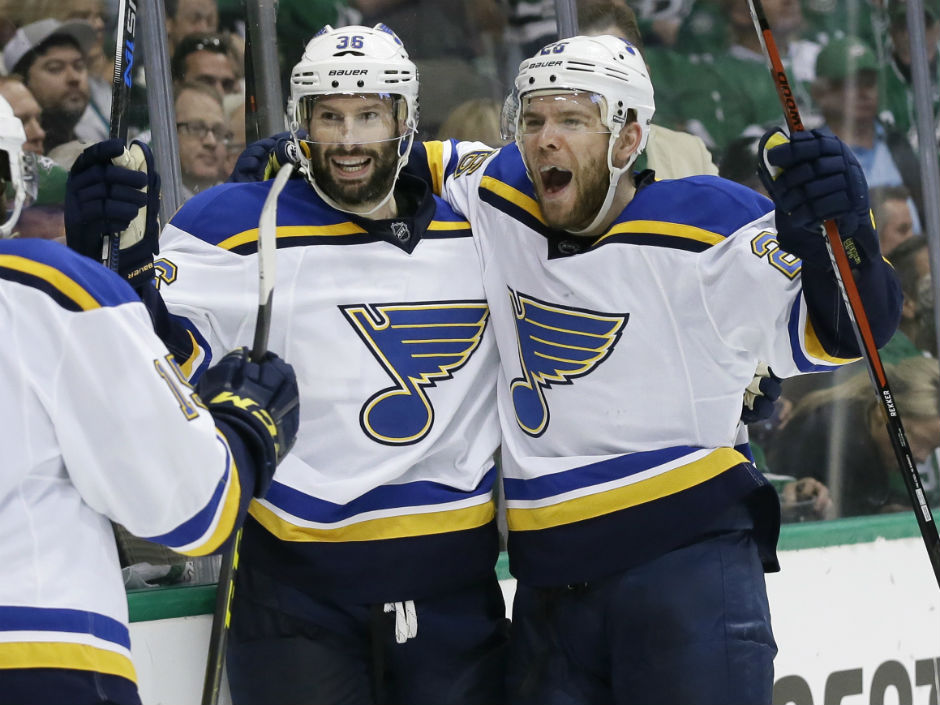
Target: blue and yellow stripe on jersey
38 637
809 354
386 512
208 528
74 282
611 485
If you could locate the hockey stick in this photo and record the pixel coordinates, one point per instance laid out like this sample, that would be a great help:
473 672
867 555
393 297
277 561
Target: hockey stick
267 259
843 272
120 97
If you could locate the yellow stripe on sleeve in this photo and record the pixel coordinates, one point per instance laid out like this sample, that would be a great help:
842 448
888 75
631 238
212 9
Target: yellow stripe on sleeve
62 282
513 195
435 155
227 519
656 227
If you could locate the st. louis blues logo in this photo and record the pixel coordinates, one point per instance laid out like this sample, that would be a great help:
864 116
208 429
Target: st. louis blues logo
556 344
418 345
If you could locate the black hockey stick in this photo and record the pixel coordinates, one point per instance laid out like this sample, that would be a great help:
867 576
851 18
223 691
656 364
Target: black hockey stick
120 98
222 614
866 342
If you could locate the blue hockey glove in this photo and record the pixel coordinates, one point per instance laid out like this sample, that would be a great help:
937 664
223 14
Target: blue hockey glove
115 191
760 395
262 160
812 177
260 401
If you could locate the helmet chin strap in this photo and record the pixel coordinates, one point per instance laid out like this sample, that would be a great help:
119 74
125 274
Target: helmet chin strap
6 229
402 158
615 174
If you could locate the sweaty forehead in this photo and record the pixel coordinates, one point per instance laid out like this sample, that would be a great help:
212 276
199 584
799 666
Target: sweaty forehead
351 102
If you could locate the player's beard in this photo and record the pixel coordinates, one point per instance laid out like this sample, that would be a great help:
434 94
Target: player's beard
590 182
375 188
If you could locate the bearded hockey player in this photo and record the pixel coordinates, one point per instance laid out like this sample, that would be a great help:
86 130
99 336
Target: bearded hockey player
98 424
367 571
629 314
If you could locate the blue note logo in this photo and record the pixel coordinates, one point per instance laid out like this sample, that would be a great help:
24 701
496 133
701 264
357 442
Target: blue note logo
556 345
418 345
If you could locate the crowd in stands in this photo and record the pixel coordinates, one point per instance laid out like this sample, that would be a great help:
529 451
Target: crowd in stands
849 62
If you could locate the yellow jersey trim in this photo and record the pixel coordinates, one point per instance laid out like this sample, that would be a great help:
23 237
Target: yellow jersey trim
227 519
287 231
62 282
514 196
441 522
54 654
815 349
657 227
601 503
449 225
435 155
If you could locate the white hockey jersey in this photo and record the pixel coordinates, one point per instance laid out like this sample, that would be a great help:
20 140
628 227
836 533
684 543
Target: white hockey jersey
97 424
624 359
388 492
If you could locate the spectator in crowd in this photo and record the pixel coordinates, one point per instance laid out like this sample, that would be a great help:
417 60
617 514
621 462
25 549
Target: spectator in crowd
203 134
670 153
205 58
915 334
846 91
189 17
26 109
93 124
891 206
838 436
50 55
475 120
738 160
897 91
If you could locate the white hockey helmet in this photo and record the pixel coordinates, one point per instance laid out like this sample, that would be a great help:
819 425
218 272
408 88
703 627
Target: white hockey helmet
354 60
609 67
15 169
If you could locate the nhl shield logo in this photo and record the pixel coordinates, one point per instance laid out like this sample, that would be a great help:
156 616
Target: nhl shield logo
400 230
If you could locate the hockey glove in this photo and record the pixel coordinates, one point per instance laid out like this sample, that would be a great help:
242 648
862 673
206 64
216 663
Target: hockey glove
115 191
760 395
262 160
812 177
260 401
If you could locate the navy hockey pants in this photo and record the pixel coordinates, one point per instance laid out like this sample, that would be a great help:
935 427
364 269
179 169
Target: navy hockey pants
691 627
291 649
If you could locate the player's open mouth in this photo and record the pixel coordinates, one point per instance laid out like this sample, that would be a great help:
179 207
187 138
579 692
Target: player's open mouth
351 167
554 179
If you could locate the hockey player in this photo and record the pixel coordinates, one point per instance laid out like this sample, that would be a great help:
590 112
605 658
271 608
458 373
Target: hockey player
98 423
367 572
629 313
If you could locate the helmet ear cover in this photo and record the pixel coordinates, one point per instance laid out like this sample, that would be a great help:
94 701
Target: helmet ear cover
17 170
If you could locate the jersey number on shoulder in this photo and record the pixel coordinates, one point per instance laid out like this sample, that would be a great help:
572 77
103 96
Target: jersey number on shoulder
765 245
471 161
418 345
556 345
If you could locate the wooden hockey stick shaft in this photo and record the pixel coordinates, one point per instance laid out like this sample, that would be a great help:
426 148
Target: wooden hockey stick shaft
840 255
267 262
120 99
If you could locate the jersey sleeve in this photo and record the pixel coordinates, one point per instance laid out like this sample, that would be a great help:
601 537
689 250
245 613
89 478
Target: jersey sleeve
136 440
452 169
210 298
753 293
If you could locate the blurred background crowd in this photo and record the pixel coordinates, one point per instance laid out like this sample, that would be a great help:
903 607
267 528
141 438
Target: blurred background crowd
849 63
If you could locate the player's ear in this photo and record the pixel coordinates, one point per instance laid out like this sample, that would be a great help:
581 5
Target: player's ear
628 142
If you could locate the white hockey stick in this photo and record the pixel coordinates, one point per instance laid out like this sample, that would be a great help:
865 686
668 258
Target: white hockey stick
267 264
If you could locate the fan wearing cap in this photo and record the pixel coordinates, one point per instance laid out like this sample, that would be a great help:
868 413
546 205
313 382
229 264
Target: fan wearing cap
897 88
846 91
50 56
629 314
367 573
